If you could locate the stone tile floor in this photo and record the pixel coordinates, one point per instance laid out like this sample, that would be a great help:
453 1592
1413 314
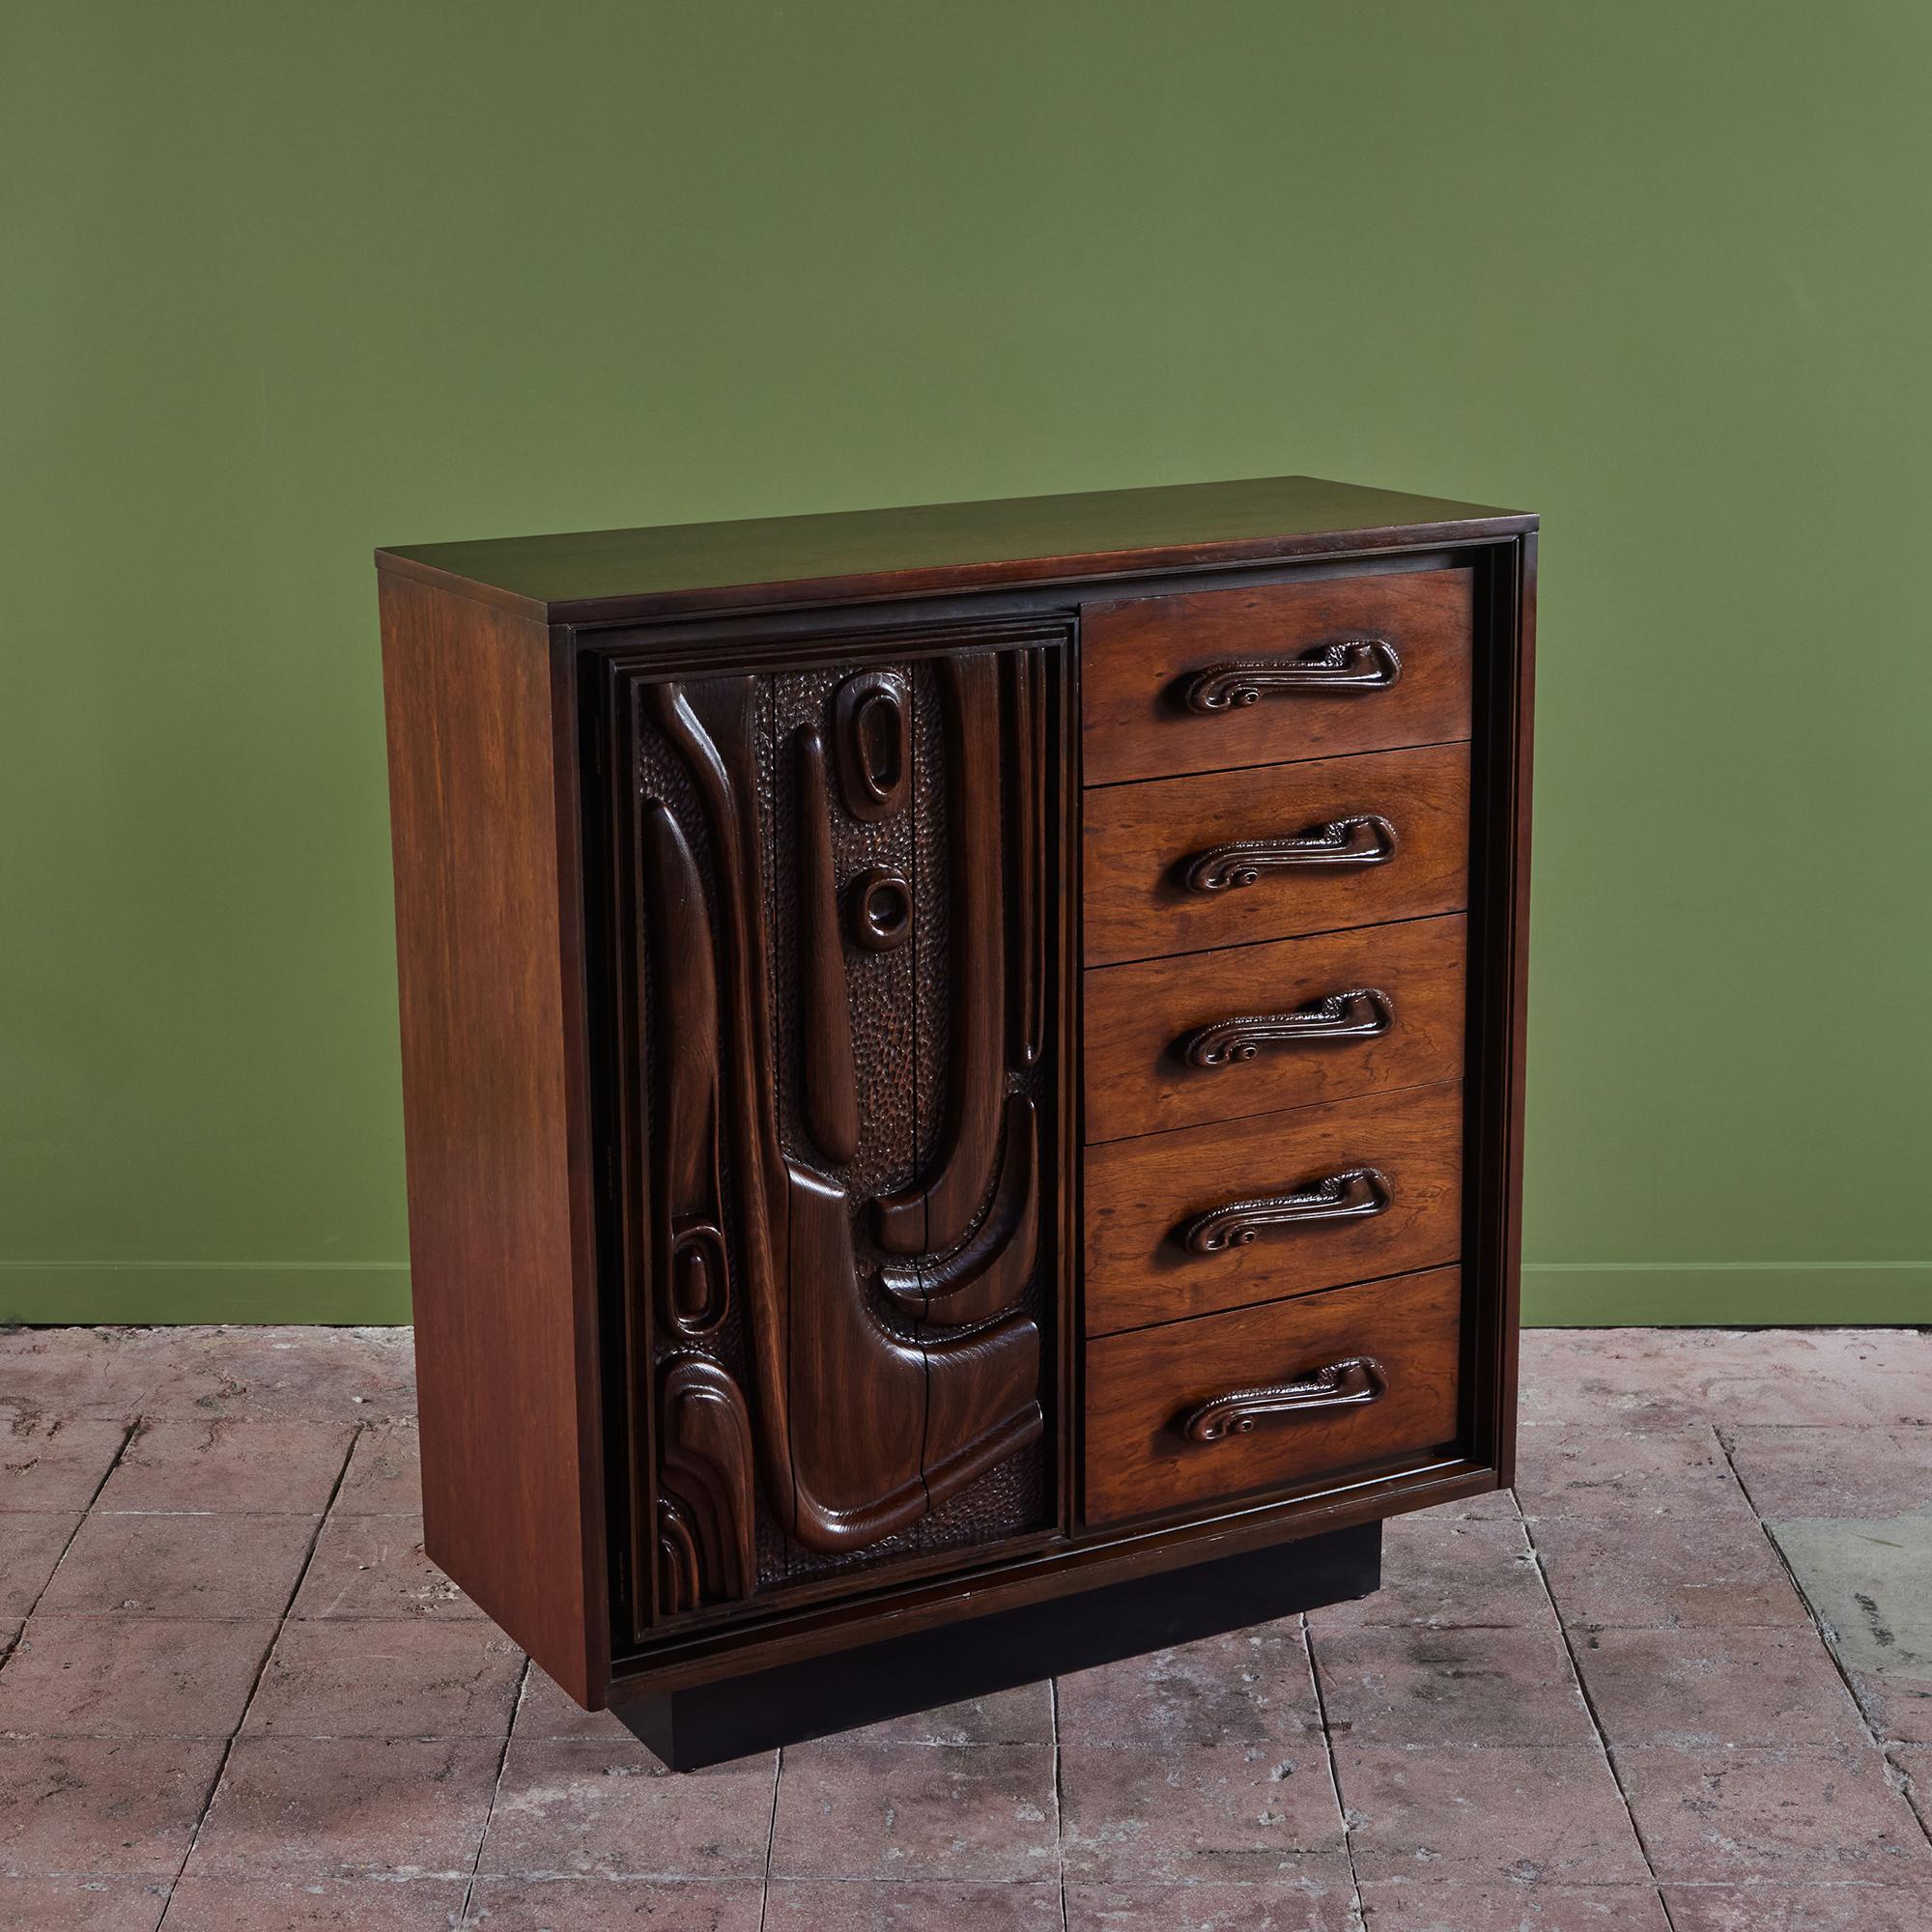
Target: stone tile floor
1682 1682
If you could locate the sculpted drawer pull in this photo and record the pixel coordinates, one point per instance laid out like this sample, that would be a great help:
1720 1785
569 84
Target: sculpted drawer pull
1352 664
1353 1195
1349 1384
1365 839
1364 1014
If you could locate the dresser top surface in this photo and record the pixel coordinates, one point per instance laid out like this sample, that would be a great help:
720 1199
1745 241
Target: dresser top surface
674 569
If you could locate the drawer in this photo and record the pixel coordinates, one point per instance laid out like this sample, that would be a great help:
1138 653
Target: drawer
1220 678
1291 1023
1205 1218
1264 1398
1181 864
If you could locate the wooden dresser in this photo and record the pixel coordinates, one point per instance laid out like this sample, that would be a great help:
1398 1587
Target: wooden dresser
963 1077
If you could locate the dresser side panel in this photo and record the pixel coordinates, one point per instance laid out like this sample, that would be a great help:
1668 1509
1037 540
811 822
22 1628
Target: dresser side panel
487 968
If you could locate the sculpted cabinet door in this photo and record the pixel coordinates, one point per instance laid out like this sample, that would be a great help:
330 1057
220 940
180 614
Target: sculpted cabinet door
837 1049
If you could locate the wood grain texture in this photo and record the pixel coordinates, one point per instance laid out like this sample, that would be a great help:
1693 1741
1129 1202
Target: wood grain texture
694 1285
713 723
858 1408
1141 1194
829 1079
1022 695
706 1465
613 576
1139 1081
937 1209
990 1272
1141 1387
1141 652
496 1152
1140 837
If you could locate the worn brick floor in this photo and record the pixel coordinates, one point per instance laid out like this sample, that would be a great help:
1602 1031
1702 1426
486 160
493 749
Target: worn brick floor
236 1694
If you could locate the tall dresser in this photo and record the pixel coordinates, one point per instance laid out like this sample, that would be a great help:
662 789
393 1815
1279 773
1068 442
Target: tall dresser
963 1076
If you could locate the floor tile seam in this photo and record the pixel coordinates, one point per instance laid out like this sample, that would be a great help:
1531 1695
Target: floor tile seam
669 1875
1274 1742
1424 1624
832 1742
720 1879
829 1878
1737 1624
1817 1625
329 1738
1625 1427
1748 1882
8 1511
1691 1510
1907 1786
90 1875
496 1788
255 1684
1597 1729
1308 1636
190 1413
1504 1878
123 1616
1841 1749
252 1737
441 1618
128 1432
311 1515
771 1839
1059 1795
1483 1748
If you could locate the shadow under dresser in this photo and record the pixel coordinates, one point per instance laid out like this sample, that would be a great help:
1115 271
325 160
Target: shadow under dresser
963 1076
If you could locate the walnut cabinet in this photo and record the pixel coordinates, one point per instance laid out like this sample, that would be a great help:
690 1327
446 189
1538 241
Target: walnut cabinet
962 1077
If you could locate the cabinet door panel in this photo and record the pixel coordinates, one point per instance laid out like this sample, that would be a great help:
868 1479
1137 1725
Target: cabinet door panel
838 1057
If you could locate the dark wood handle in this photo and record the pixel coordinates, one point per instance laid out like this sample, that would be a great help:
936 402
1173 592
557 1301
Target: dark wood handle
1364 839
1363 1013
1349 1384
1351 664
1353 1195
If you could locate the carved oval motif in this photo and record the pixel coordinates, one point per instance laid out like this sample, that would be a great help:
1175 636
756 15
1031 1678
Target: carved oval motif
872 717
878 909
699 1292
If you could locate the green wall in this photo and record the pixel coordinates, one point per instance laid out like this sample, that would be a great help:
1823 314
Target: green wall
282 284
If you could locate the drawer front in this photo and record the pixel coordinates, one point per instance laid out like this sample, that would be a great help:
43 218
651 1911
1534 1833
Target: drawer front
1266 1397
1291 1023
1180 865
1220 678
1216 1218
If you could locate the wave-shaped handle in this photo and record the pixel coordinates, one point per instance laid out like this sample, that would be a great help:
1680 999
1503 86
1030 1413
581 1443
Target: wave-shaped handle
1349 1384
1363 838
1362 1013
1349 665
1355 1194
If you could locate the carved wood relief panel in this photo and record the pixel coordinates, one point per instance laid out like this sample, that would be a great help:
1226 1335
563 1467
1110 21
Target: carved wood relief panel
837 963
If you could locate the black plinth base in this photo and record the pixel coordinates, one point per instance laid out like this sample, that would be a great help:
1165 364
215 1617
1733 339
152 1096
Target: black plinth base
712 1723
